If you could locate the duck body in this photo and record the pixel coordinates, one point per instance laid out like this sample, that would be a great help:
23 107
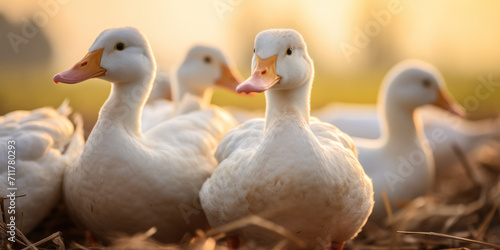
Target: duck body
149 183
155 113
356 120
444 130
403 171
44 142
128 181
295 171
299 165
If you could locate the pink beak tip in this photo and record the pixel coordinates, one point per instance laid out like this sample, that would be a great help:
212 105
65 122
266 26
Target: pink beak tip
59 78
56 78
239 90
248 89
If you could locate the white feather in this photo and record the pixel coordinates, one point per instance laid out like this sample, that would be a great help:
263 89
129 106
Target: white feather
291 169
127 181
45 142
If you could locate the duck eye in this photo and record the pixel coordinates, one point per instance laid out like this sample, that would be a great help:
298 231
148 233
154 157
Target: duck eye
119 46
253 50
289 51
426 83
207 59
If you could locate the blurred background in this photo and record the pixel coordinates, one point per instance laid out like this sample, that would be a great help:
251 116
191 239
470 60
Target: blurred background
353 45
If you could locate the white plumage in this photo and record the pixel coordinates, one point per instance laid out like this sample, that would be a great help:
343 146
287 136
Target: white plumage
128 181
203 68
45 142
400 161
441 129
301 173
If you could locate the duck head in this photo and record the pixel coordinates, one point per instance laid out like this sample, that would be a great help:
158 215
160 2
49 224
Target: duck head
414 83
280 61
205 67
119 55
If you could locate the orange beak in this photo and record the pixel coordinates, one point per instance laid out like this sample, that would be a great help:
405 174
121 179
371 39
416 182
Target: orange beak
229 79
263 77
88 67
445 102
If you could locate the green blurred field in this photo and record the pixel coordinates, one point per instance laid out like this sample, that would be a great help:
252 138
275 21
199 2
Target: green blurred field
33 90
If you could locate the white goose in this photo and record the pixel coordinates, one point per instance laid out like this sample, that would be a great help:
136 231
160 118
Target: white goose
305 171
127 181
202 69
398 162
43 142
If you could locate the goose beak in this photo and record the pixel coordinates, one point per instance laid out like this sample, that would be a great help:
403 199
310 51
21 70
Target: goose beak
88 67
263 77
445 102
230 78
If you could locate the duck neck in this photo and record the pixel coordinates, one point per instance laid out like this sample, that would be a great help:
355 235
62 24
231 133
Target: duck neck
397 124
180 88
283 103
125 103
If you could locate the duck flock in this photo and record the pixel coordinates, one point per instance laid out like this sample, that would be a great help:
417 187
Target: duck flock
183 164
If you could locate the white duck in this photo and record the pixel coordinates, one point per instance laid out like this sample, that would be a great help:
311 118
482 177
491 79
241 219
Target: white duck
202 69
42 143
400 161
441 128
303 173
127 181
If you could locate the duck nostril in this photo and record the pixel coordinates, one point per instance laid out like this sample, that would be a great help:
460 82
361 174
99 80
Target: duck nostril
264 72
83 64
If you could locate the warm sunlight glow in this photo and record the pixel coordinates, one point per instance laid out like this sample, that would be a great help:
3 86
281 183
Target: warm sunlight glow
353 43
